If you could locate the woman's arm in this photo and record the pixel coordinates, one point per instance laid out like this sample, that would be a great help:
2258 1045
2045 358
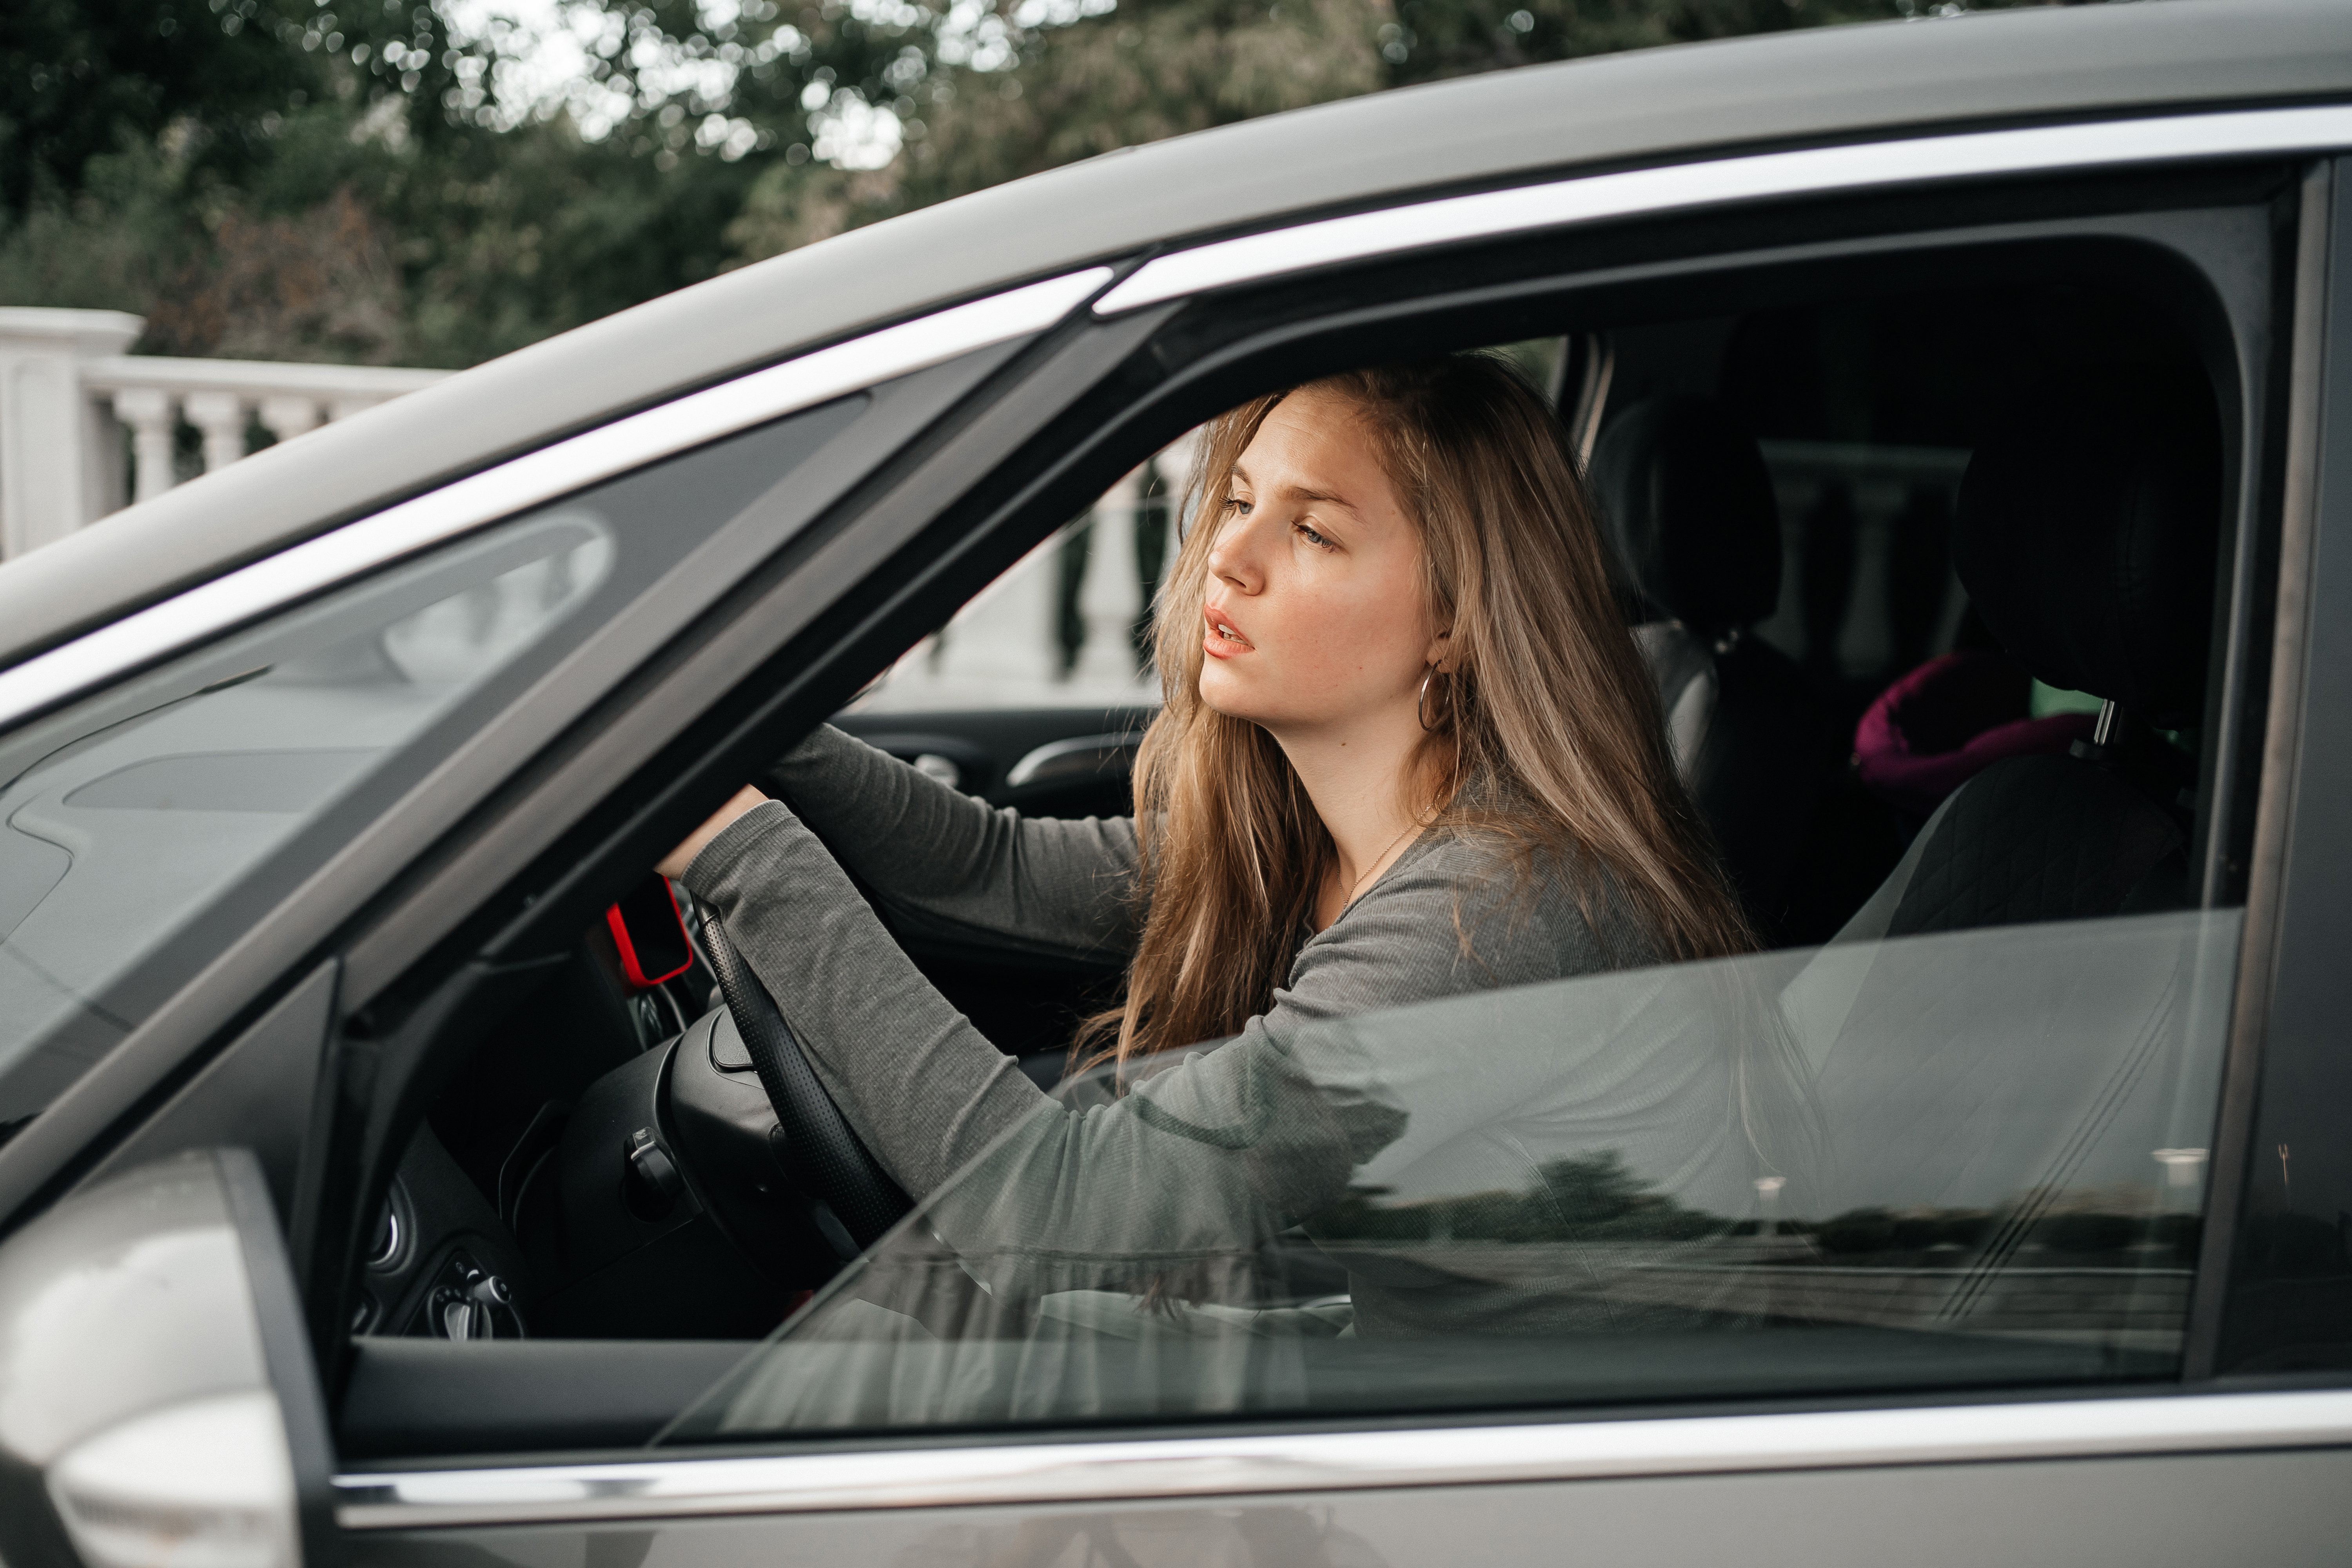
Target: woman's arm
923 1087
1211 1154
930 1095
950 865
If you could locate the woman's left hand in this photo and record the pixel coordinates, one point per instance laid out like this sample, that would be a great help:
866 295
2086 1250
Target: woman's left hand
674 864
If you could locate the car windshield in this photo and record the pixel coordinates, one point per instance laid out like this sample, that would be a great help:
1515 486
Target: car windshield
149 826
1966 1158
124 819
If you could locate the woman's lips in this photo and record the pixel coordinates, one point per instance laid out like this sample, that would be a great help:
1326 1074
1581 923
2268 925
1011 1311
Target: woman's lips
1224 640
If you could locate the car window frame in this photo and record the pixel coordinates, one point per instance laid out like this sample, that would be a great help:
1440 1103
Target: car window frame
1173 400
2286 1026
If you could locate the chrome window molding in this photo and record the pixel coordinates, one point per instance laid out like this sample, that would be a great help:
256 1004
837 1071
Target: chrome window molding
1218 1466
1684 187
238 596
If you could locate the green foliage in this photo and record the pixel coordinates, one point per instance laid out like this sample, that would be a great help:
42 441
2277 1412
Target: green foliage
1434 38
359 243
1582 1198
1917 1230
212 79
1153 69
344 180
2083 1223
517 236
105 247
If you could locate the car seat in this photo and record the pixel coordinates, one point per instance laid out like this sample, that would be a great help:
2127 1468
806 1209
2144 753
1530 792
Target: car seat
1689 509
2086 536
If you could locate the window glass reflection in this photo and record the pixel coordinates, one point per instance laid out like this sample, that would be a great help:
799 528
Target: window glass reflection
1972 1157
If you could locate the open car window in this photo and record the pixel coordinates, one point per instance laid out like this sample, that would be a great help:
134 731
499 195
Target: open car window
1965 1159
1037 693
1066 626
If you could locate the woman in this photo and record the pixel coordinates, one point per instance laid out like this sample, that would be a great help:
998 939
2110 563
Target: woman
1408 751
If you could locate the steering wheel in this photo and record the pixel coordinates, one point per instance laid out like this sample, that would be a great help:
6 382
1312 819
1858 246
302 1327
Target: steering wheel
821 1152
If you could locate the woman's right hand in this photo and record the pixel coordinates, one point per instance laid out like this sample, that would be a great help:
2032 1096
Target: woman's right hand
674 864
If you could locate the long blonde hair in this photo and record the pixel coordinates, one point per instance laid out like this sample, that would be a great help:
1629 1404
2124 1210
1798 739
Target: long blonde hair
1547 709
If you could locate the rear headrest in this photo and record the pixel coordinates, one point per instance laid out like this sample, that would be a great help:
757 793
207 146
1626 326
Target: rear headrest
1689 507
2085 534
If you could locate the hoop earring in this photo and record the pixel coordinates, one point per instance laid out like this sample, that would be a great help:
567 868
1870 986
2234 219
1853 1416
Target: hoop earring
1421 706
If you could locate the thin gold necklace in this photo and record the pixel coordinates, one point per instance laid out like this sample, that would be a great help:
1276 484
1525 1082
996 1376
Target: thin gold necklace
1414 827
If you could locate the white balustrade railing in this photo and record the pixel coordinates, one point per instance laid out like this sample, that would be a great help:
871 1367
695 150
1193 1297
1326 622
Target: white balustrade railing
68 393
85 428
1011 648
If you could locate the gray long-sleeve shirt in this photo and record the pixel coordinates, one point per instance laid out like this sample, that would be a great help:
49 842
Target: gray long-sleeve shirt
1203 1160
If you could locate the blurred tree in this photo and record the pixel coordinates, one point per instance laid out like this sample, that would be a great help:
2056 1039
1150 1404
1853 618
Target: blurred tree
368 204
1428 39
954 100
1153 69
211 78
77 80
352 179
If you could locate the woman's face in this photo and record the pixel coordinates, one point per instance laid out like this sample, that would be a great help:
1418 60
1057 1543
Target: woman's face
1316 619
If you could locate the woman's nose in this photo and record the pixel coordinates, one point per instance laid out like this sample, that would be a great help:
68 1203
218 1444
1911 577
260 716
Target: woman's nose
1233 556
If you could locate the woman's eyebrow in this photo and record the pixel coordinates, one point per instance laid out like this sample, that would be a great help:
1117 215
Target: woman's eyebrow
1296 493
1334 496
1302 496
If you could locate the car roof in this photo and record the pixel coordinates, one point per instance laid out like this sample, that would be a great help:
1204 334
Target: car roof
1818 85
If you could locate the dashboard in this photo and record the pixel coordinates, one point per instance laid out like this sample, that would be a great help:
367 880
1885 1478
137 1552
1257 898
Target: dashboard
606 1165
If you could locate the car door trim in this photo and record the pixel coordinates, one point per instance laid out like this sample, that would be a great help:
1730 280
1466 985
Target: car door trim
1689 186
228 601
1328 1461
2276 800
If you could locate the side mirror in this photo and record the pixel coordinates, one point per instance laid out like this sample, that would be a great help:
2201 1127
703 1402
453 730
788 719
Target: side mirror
159 1407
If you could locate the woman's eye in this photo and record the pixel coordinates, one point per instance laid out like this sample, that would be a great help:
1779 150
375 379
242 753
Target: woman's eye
1313 538
1236 506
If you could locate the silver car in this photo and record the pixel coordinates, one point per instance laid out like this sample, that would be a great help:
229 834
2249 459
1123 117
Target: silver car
387 1175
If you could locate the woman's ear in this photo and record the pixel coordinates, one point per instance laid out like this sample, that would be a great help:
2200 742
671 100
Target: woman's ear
1439 654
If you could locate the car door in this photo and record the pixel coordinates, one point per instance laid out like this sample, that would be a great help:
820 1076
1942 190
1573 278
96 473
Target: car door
2166 1397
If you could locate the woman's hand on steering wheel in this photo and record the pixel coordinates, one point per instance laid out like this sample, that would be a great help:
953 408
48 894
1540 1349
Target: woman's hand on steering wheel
818 1149
674 864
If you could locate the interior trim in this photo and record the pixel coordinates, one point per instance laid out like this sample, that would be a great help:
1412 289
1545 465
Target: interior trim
1683 187
1327 1461
228 601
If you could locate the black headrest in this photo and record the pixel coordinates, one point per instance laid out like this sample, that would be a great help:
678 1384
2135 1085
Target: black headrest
2085 534
1689 507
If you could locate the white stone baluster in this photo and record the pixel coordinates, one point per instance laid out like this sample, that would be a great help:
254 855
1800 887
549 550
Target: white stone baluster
67 391
287 415
149 411
1111 595
1006 634
221 416
60 455
1176 471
